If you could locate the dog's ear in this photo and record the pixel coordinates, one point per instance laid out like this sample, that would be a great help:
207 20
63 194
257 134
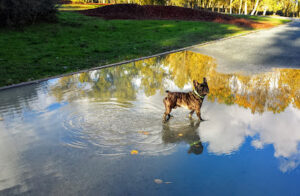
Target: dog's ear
195 83
204 80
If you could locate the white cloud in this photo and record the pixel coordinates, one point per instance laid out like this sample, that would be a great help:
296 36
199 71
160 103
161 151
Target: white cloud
228 126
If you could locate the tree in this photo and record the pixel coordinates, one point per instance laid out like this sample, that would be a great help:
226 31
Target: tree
255 7
230 11
240 8
21 12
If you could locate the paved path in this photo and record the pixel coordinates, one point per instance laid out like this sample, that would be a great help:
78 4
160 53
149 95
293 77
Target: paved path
260 51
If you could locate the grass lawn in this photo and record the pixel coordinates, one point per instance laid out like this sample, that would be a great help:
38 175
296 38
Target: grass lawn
78 42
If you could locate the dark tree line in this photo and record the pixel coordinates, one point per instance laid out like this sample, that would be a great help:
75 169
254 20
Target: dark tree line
22 12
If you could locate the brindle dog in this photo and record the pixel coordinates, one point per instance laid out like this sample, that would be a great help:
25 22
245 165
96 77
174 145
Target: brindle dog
191 100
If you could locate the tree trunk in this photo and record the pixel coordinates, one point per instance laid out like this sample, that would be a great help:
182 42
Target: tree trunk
265 10
255 7
256 13
286 11
297 8
240 8
230 11
246 12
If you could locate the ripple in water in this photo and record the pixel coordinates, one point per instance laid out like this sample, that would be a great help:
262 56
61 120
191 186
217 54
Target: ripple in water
111 128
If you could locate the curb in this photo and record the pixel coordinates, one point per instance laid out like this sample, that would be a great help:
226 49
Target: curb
137 59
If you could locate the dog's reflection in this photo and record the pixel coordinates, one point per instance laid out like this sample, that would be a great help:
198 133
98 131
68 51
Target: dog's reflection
186 133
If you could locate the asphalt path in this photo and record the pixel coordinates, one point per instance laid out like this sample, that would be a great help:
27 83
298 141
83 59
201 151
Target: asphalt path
278 47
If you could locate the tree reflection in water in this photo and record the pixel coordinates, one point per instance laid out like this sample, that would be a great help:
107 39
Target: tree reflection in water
271 91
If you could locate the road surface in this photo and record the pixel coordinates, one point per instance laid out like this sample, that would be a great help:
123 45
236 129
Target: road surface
260 51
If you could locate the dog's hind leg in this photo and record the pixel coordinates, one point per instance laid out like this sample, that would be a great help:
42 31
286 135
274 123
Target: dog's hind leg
199 115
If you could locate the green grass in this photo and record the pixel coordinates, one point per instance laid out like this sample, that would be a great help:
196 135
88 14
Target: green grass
78 42
266 19
76 7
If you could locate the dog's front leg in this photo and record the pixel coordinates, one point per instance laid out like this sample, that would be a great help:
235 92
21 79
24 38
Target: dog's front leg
199 115
167 114
191 113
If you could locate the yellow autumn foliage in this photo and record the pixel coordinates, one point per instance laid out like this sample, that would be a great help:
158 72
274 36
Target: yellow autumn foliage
270 91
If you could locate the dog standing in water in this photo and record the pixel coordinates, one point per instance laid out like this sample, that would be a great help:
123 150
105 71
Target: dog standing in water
191 100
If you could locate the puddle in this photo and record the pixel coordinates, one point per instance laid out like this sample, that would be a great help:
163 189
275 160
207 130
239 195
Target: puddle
102 132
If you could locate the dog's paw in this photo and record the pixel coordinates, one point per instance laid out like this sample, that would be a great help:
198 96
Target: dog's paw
164 121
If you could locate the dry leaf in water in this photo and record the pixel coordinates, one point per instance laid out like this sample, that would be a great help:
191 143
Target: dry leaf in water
168 182
134 152
158 181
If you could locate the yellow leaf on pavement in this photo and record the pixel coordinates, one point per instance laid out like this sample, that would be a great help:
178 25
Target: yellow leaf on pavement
144 132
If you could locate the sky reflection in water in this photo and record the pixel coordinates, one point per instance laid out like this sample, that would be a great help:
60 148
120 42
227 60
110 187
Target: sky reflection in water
109 112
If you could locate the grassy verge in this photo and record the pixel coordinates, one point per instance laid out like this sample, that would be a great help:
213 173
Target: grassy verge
76 7
78 42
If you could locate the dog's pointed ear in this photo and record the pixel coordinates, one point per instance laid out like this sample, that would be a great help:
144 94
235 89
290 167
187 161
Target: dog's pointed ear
204 80
195 82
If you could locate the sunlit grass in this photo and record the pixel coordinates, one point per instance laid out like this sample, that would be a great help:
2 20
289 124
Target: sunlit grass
78 42
76 7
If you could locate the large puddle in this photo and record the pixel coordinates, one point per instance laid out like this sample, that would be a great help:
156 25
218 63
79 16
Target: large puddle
101 132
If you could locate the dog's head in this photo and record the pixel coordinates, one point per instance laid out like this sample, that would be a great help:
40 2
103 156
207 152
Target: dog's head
201 88
196 148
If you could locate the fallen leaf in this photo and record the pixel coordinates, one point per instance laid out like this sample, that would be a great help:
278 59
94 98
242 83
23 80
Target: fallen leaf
180 134
158 181
134 152
144 132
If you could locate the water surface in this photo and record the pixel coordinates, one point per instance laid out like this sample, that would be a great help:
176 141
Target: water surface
75 135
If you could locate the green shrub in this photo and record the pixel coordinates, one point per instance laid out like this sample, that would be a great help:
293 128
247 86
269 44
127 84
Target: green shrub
21 12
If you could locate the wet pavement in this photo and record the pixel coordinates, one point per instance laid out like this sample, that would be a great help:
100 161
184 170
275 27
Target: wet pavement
101 132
